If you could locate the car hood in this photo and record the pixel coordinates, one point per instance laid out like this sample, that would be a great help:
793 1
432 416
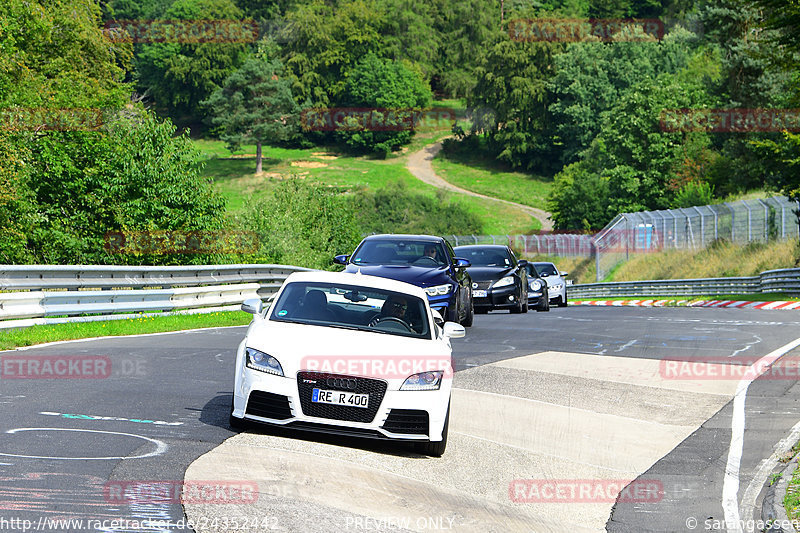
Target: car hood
307 347
554 280
420 276
488 273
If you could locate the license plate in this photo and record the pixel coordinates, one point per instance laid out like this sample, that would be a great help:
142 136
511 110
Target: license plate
335 397
478 293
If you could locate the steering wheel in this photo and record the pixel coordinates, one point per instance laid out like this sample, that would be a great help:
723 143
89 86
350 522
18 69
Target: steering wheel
380 319
429 258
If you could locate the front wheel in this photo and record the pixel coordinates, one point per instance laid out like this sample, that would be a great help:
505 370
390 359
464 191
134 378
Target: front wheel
436 449
467 322
544 305
562 302
236 423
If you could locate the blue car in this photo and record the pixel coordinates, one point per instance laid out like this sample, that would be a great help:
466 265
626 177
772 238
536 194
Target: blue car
423 260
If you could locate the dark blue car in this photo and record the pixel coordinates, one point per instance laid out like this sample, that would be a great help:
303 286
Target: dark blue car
423 260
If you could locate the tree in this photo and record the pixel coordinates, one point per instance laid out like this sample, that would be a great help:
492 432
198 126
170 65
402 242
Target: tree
510 102
386 87
254 105
591 77
322 42
180 75
135 174
632 163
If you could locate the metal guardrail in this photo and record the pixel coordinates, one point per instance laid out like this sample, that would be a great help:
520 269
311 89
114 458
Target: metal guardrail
34 294
783 280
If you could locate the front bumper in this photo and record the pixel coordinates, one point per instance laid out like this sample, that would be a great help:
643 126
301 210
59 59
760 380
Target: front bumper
400 415
497 298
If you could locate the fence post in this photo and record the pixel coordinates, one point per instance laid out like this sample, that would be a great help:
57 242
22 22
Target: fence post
702 227
733 221
766 219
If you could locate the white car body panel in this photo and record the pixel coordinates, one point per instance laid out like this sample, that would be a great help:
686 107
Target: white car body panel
375 355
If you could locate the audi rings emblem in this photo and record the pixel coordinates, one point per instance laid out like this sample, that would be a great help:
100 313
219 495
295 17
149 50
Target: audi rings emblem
342 383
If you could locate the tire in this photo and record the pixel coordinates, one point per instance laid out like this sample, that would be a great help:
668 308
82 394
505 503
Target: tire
525 305
237 423
544 305
436 449
467 322
517 309
562 301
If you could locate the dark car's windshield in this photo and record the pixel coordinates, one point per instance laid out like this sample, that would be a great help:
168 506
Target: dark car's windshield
352 307
486 257
394 252
546 269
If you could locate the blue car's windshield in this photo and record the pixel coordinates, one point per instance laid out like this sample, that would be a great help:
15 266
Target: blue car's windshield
394 252
352 307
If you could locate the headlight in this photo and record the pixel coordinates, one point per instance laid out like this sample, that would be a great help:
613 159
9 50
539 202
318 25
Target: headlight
557 287
508 280
536 285
262 362
424 381
438 290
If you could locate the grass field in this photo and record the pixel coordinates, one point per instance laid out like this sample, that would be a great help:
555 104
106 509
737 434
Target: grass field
111 328
474 173
233 175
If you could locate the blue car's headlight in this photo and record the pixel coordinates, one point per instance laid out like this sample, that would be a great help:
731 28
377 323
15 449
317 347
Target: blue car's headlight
262 362
424 381
505 282
439 290
535 285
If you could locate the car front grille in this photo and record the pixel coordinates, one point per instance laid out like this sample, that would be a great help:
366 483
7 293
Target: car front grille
308 381
268 405
413 421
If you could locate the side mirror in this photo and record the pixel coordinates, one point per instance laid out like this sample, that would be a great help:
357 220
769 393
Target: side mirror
522 263
462 263
341 259
252 306
564 274
454 330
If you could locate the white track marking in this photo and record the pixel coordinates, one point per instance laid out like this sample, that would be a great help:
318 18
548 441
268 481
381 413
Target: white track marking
730 487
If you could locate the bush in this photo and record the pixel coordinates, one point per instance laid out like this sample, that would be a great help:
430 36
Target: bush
395 209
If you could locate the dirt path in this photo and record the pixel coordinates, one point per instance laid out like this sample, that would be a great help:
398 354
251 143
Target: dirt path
419 164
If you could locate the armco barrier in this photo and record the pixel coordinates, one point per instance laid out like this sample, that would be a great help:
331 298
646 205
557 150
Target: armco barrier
33 294
784 280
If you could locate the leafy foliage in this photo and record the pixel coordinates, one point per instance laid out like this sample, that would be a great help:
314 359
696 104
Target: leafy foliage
180 75
301 225
395 209
254 105
386 86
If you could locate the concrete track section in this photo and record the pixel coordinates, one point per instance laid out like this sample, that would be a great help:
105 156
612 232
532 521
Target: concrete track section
543 442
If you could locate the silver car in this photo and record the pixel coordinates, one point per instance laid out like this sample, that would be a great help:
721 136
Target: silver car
556 282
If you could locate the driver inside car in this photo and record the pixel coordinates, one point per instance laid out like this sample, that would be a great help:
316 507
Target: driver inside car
393 307
430 251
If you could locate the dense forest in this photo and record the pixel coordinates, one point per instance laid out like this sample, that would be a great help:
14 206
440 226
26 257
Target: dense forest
592 112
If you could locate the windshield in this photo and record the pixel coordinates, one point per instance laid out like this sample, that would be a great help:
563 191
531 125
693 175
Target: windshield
352 307
546 269
394 252
487 257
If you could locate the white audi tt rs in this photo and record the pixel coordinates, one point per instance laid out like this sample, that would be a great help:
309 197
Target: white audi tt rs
347 354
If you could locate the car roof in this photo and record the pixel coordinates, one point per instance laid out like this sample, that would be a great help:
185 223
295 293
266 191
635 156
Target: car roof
403 237
360 280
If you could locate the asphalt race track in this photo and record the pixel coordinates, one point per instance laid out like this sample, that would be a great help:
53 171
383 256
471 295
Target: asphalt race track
580 419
